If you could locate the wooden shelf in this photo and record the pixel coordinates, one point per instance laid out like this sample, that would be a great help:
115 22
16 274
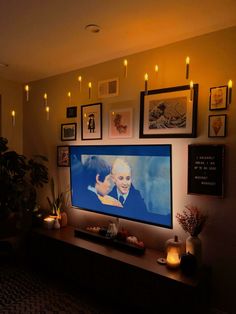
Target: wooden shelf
147 261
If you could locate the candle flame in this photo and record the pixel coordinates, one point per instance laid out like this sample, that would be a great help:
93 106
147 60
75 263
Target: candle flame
191 84
26 88
45 96
146 77
125 62
187 60
156 68
13 113
80 78
47 109
90 85
230 84
69 94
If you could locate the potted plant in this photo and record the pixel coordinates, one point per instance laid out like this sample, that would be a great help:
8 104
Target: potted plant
19 179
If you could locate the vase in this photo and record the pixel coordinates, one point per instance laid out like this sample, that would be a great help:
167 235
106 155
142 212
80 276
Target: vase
194 246
63 219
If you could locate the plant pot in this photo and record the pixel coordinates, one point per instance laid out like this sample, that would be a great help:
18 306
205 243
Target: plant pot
194 246
63 219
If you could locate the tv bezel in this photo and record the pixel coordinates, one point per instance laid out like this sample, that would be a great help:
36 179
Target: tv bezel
170 226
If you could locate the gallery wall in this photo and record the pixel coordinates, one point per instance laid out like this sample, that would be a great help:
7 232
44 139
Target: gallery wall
212 63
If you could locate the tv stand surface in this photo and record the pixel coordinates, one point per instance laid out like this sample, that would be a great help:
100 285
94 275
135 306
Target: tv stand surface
146 261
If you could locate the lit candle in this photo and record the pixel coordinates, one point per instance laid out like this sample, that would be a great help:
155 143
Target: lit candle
230 84
187 67
48 222
191 90
146 83
27 92
89 87
125 67
47 109
156 68
13 115
69 96
173 258
45 97
80 82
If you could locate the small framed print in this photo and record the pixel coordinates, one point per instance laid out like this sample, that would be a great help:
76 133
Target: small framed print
108 88
71 112
63 156
68 132
121 123
218 98
217 125
91 122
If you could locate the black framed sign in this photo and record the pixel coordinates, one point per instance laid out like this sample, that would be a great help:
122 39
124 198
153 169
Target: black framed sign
206 169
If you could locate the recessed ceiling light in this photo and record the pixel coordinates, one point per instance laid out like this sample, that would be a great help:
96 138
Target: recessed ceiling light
3 65
93 28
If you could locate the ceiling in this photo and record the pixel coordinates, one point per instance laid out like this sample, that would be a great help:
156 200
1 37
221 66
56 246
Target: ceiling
42 38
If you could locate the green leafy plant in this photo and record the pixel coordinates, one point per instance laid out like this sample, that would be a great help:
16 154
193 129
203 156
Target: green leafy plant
19 180
56 201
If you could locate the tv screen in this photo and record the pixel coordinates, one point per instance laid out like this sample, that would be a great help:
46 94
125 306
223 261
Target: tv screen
127 181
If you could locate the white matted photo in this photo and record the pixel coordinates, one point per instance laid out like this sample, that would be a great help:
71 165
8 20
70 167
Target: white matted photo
217 125
121 123
91 122
108 88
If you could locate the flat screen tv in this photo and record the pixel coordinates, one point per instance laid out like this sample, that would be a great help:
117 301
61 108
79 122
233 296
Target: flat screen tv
128 181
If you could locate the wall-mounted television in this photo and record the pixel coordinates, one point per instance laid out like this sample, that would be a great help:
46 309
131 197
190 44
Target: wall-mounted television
133 182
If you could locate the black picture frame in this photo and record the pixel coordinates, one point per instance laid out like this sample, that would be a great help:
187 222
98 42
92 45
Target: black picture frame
206 169
218 97
217 125
71 112
91 122
68 131
63 156
169 112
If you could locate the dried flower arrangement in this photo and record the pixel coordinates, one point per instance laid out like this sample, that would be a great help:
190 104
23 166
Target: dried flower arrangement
192 220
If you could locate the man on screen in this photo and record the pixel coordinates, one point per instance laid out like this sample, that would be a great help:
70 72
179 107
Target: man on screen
123 190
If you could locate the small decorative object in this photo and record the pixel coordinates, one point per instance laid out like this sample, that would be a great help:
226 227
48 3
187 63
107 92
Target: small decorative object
168 112
68 132
217 125
218 98
191 90
80 82
71 112
108 88
48 223
192 220
91 122
121 123
174 252
90 89
161 260
45 97
187 68
63 156
230 85
188 264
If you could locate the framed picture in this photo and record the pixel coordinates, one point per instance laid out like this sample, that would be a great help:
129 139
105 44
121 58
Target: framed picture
217 125
121 123
63 156
218 98
71 112
169 112
206 169
108 88
91 122
68 132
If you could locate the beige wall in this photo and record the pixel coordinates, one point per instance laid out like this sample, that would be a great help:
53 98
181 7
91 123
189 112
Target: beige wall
212 64
11 99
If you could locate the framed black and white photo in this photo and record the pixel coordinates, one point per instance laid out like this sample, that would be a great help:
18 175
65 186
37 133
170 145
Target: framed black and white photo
169 112
218 97
217 125
91 122
63 156
68 132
